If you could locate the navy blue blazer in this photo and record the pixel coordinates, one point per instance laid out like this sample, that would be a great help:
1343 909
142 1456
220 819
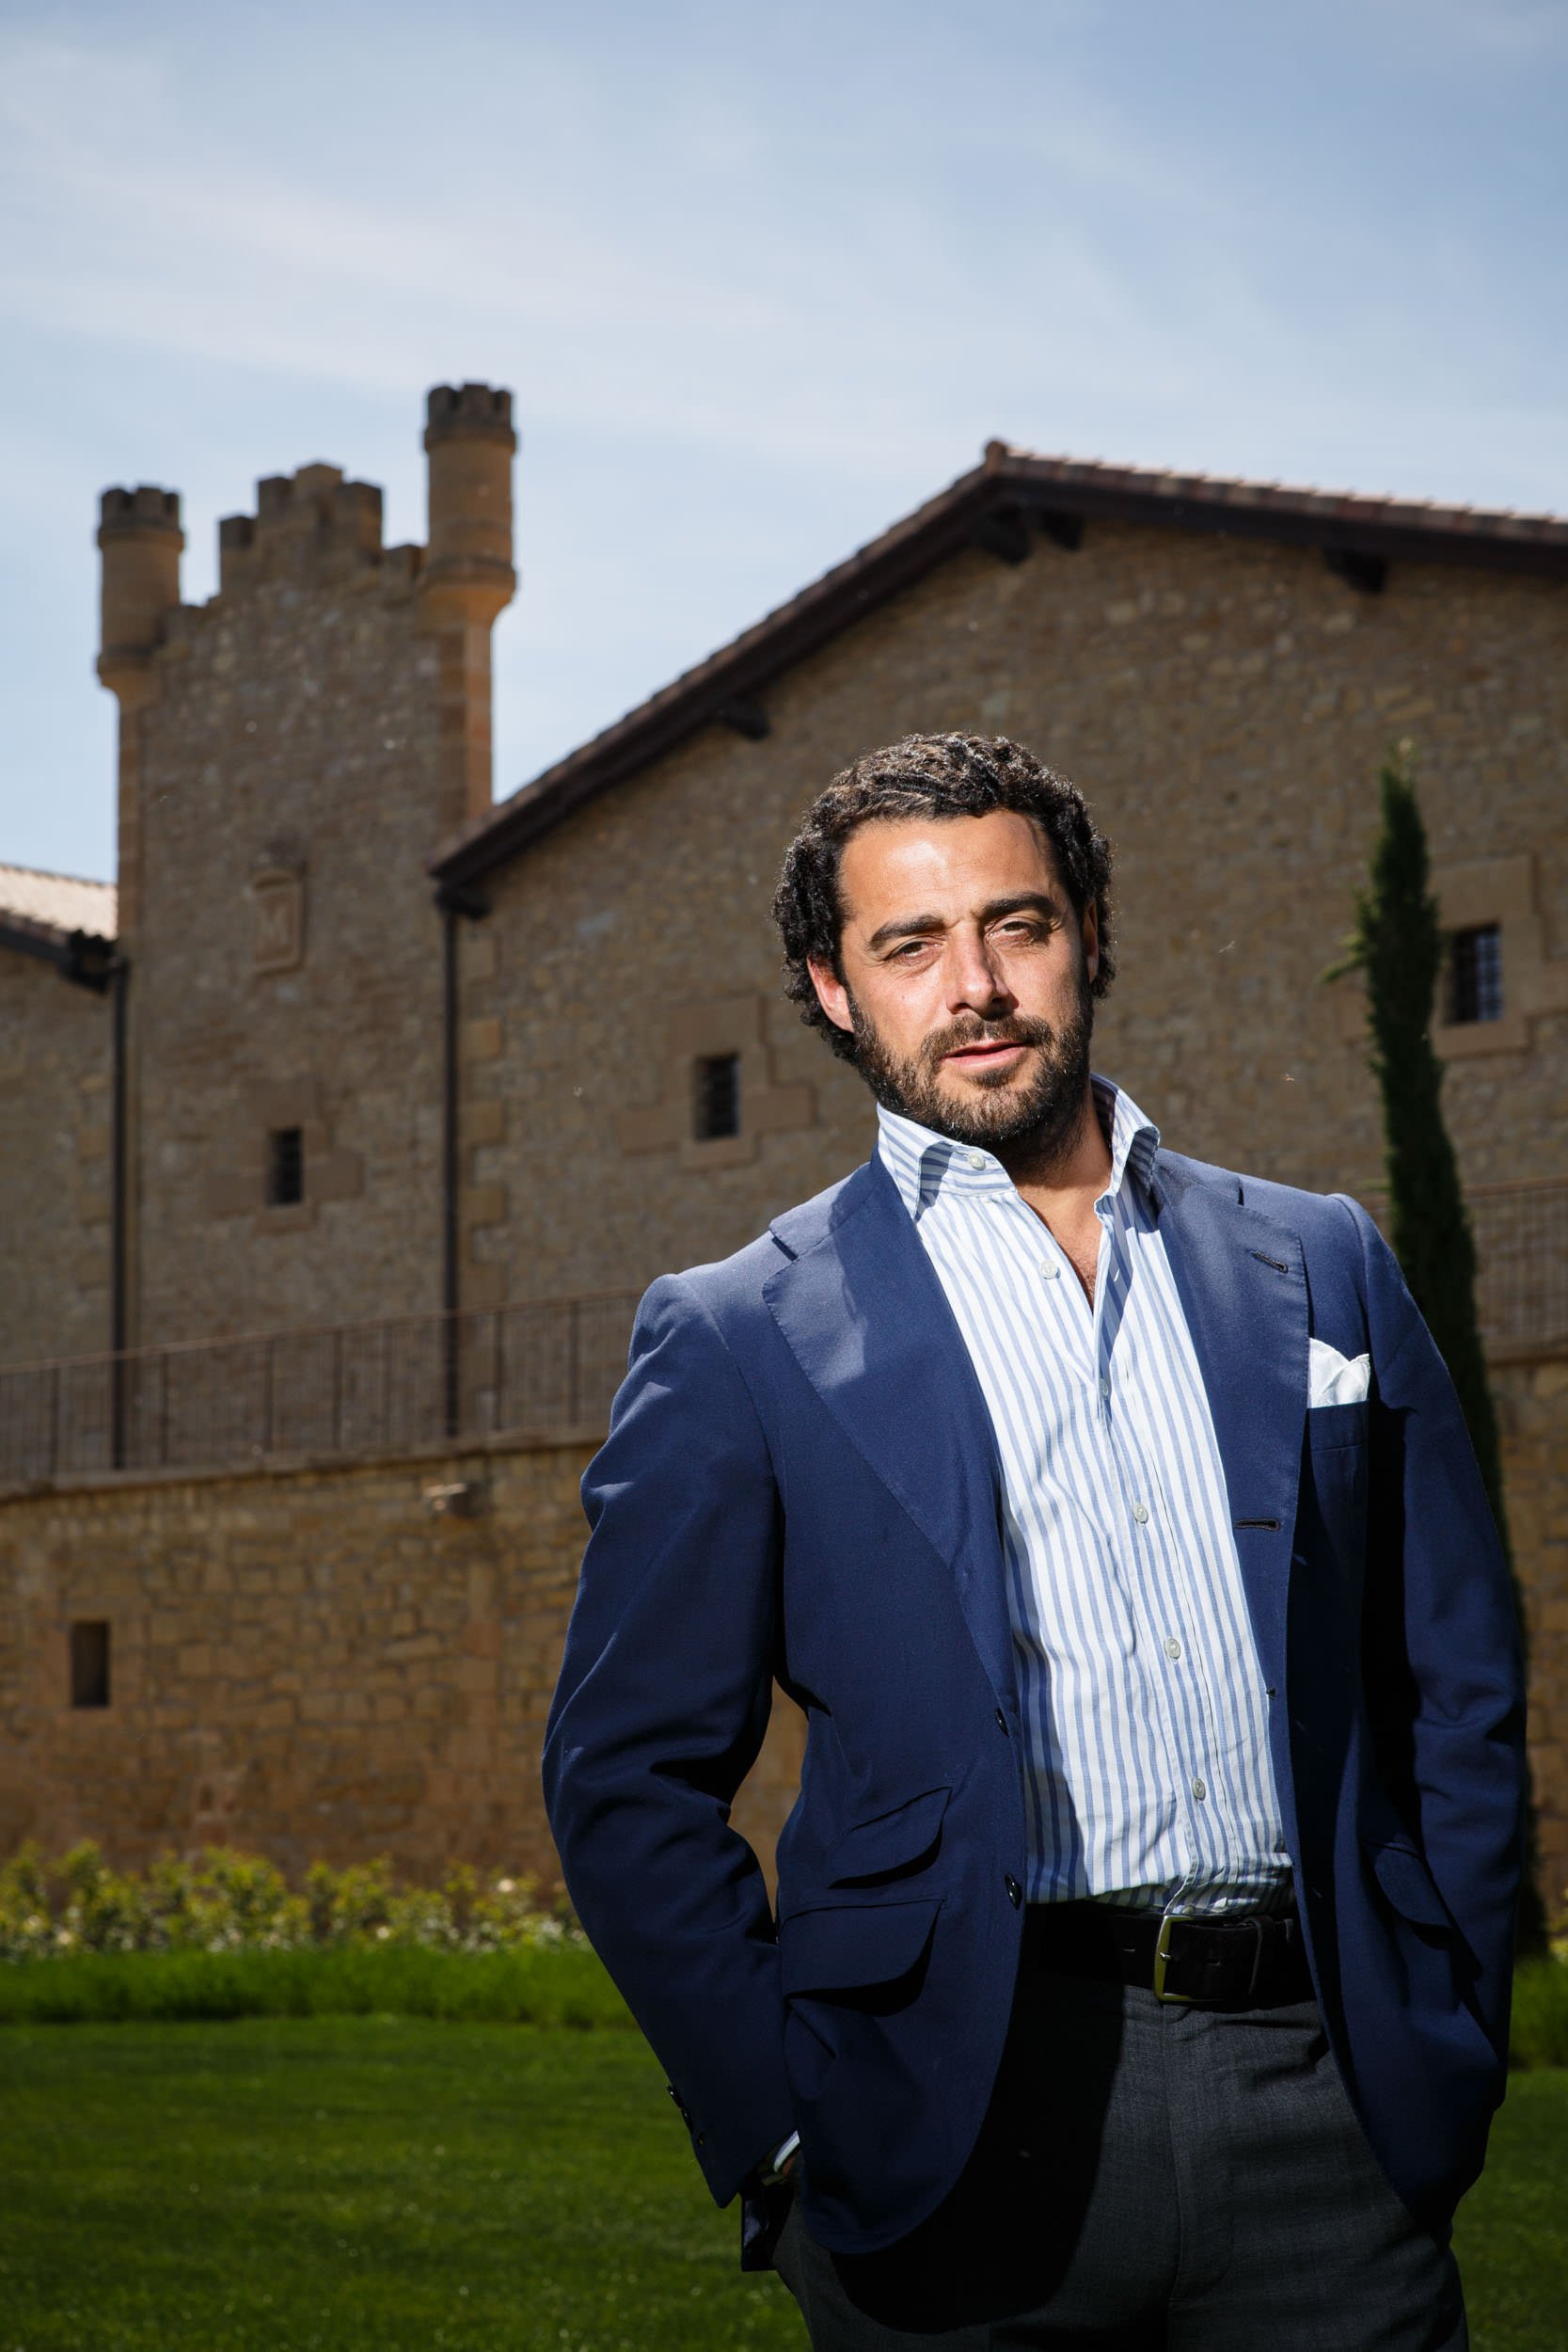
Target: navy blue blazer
800 1483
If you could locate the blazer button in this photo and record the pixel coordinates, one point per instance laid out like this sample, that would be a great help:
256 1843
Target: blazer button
1015 1892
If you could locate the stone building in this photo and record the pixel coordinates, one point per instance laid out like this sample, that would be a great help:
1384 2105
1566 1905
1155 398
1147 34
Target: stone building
359 1130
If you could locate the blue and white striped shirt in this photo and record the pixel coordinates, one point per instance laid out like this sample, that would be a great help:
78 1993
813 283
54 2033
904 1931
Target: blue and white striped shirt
1145 1767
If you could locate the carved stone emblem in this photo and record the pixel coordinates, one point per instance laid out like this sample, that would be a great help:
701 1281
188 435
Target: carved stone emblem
278 894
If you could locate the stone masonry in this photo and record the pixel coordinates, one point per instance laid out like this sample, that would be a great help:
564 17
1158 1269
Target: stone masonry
54 1164
1225 709
329 1662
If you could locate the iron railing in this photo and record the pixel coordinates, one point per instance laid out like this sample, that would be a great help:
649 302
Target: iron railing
529 1370
1521 1235
412 1380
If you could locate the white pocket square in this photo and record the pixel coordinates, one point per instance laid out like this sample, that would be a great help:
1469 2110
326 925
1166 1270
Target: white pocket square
1333 1378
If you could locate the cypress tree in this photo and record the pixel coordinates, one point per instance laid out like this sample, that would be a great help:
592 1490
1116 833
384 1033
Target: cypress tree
1398 945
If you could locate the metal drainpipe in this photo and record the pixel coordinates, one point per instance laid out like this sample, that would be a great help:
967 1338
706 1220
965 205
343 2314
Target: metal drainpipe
86 960
454 901
451 1108
119 984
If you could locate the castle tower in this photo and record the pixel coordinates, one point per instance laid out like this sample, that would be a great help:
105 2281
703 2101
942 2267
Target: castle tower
141 543
466 579
292 754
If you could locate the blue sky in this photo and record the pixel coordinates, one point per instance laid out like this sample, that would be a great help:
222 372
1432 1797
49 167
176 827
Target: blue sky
761 279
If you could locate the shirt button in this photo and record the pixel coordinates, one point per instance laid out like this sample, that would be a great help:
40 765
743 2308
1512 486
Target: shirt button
1015 1892
1173 1647
1105 1386
1049 1269
1200 1791
1140 1512
976 1159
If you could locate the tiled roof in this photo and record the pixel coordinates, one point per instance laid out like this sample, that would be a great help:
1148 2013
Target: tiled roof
57 903
999 504
1355 511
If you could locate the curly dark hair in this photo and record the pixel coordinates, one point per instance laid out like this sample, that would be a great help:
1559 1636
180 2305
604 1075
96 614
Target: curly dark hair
927 775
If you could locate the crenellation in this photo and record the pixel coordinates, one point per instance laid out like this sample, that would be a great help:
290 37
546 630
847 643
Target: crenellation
144 508
311 524
470 443
399 571
469 409
141 542
309 485
236 554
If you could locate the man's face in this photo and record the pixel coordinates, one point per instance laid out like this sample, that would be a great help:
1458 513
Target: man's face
966 978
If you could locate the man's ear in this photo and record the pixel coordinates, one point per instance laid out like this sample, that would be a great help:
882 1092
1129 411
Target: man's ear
831 994
1091 940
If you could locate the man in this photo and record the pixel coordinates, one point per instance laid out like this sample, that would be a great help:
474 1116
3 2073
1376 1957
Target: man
1140 1967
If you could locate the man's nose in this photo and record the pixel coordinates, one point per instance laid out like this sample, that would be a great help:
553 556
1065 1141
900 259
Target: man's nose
974 983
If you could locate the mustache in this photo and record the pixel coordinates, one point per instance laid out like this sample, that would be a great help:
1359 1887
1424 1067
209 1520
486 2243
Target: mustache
1018 1029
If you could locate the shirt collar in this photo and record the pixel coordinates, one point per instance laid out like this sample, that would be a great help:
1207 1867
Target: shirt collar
923 1164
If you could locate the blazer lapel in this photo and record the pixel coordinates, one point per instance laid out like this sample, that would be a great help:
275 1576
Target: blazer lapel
1243 1285
866 1317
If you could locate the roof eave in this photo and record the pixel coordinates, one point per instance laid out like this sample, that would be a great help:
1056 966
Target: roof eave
753 662
87 959
1009 487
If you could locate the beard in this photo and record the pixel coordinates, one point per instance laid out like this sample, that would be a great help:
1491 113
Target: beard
1037 1122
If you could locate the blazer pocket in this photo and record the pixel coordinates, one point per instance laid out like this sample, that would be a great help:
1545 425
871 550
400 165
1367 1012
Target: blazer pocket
891 1844
1408 1885
845 1946
1330 1426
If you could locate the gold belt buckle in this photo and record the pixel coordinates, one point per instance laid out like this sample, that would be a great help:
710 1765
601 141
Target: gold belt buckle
1162 1961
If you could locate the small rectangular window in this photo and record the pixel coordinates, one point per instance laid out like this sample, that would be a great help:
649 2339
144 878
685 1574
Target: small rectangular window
285 1167
90 1662
1476 973
716 1104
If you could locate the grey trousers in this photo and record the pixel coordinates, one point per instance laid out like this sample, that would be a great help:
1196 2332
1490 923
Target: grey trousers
1150 2177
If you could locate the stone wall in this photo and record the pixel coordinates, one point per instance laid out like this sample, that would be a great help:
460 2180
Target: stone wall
1224 705
313 1661
306 1662
54 1083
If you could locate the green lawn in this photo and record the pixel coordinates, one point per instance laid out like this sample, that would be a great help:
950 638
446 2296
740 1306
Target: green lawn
1511 2237
348 2183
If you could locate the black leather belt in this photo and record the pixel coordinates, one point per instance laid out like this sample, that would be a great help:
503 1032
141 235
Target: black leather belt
1248 1962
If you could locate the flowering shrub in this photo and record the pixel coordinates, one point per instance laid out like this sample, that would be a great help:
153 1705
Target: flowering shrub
224 1901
